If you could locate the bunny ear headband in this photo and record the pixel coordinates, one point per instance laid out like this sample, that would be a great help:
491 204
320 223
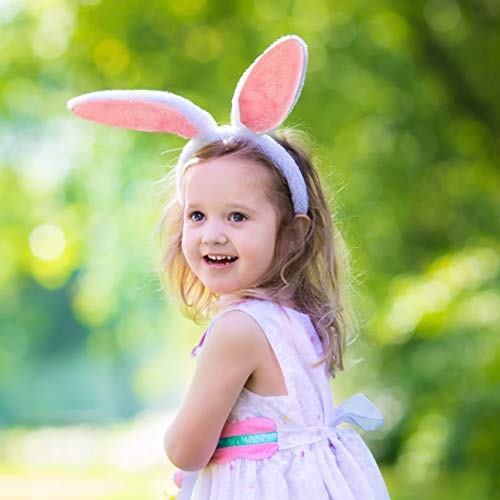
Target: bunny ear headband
264 97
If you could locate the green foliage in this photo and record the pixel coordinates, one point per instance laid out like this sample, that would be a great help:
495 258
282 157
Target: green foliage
402 103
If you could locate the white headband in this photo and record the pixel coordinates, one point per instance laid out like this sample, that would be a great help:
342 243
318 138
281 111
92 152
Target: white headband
264 97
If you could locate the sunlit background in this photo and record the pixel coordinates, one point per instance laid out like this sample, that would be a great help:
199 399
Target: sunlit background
402 101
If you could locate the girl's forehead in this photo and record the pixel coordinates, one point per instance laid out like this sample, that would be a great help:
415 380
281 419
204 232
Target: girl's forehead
226 178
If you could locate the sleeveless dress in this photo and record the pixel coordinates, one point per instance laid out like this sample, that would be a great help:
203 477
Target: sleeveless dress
290 447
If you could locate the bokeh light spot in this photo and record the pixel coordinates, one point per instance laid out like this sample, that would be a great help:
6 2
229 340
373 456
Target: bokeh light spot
47 242
51 38
111 56
271 11
424 449
343 32
310 15
203 43
442 15
187 8
387 29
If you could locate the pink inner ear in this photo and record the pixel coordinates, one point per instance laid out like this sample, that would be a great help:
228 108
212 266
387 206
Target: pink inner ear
139 115
271 87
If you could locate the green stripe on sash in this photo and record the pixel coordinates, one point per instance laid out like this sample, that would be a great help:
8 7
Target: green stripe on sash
265 437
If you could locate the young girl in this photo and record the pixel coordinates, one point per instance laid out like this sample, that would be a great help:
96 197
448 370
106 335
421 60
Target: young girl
250 241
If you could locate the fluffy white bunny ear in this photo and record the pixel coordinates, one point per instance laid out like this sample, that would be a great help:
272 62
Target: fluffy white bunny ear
146 110
270 87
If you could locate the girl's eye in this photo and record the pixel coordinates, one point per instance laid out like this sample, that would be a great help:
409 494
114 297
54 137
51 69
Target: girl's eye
195 213
197 216
243 217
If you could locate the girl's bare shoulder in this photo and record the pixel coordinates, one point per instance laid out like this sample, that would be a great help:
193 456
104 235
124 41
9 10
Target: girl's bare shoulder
239 329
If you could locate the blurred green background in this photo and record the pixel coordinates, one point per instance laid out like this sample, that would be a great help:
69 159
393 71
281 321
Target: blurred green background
402 100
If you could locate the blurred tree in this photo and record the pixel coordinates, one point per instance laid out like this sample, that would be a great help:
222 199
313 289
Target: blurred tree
402 101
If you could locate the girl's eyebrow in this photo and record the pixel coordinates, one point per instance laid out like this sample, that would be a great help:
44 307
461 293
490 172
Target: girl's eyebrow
233 206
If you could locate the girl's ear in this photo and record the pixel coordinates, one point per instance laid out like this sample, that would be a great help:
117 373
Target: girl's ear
270 87
302 222
146 110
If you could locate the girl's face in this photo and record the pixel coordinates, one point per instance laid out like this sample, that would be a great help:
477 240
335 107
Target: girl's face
226 213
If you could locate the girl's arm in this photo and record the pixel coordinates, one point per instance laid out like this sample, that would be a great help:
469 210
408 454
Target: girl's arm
229 356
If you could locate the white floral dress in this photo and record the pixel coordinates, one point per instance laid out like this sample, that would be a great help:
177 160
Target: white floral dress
296 451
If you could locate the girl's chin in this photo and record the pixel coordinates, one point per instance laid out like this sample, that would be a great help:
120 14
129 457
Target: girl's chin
221 291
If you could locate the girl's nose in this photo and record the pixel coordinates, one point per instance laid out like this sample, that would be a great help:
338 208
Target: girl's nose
213 234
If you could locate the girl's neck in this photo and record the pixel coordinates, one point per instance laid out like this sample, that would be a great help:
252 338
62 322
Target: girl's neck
226 300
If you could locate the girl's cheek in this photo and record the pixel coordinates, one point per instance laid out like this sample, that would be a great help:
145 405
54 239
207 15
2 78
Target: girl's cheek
184 245
189 241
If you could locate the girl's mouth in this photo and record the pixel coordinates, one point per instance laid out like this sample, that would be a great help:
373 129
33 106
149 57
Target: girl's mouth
219 263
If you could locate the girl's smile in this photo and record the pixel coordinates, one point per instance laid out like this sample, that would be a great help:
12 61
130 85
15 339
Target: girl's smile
229 226
219 262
